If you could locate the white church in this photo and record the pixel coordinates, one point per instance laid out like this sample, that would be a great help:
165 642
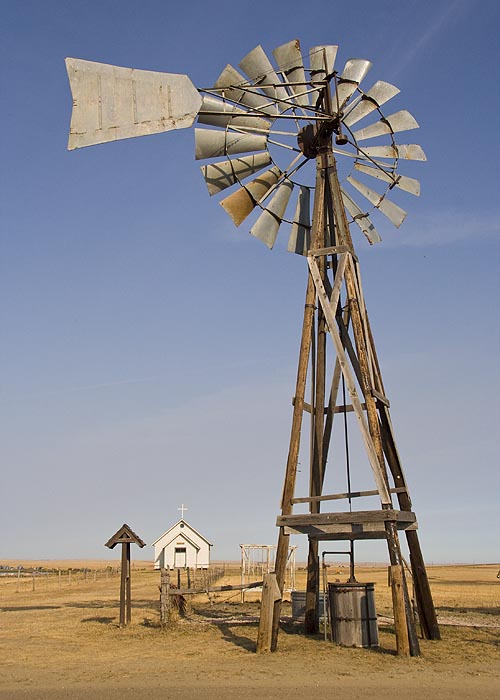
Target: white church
182 547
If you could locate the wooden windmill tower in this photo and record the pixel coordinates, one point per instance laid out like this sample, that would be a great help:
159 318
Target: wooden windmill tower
283 134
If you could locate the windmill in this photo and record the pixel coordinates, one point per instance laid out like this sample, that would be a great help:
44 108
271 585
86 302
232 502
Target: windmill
273 141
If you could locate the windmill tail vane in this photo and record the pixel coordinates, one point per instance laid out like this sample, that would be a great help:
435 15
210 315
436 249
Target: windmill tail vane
258 129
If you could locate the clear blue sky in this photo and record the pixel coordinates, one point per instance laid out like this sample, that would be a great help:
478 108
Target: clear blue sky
149 348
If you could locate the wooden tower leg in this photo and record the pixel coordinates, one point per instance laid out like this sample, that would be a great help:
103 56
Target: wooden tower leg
425 604
317 469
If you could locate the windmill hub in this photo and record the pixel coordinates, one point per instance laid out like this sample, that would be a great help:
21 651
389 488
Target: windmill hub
313 140
307 141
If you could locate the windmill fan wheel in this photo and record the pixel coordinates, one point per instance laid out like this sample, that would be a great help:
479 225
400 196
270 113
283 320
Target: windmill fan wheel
269 123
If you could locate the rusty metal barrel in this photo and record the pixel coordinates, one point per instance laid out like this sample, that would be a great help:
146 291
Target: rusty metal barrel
353 616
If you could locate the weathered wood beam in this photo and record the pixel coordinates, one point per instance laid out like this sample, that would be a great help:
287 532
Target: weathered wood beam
343 496
360 516
214 589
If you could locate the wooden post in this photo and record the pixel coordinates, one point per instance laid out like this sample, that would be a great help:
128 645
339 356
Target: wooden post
128 592
271 595
311 621
164 597
123 585
400 626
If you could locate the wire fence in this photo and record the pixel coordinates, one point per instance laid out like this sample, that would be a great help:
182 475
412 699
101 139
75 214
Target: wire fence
32 580
196 578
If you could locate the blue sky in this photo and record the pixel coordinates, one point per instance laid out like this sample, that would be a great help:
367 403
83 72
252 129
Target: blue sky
149 348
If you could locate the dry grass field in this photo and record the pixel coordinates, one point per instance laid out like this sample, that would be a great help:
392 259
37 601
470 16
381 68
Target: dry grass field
62 640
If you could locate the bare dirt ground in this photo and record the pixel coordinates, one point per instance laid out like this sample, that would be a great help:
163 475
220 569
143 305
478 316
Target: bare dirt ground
63 641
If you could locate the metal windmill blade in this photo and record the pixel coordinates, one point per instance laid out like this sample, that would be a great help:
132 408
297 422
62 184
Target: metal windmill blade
289 59
232 85
322 63
354 71
377 95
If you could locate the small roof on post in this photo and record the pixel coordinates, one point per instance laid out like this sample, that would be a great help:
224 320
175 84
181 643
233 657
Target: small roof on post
123 535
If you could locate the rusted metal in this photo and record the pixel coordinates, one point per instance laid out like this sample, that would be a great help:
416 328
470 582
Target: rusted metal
242 202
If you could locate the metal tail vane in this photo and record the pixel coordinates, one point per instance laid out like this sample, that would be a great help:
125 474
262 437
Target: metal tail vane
258 131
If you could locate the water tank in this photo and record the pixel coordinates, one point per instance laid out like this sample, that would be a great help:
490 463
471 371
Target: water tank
353 616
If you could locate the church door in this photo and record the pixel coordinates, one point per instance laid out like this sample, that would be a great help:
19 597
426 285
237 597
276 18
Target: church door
180 561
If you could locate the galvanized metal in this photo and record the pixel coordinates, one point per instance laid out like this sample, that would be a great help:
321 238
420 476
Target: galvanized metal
219 176
216 112
361 218
259 69
300 236
111 102
213 144
408 184
377 95
322 63
402 151
242 202
354 71
234 86
394 213
289 59
267 225
399 121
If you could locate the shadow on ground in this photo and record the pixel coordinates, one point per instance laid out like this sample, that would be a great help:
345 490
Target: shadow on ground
237 639
102 620
20 608
484 611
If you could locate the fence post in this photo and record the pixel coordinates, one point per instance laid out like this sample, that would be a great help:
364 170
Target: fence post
164 597
270 595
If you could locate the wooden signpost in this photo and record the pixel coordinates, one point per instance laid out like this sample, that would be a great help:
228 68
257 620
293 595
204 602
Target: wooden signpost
125 536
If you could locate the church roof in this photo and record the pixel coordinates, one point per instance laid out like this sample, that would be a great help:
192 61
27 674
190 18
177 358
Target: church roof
184 524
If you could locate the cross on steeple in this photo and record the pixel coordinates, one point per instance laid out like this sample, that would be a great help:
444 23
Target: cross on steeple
182 509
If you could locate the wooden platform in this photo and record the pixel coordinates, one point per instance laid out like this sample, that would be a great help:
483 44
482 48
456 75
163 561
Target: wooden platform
360 525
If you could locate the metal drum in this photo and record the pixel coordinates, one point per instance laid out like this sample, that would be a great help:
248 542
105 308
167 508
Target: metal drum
299 605
353 616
